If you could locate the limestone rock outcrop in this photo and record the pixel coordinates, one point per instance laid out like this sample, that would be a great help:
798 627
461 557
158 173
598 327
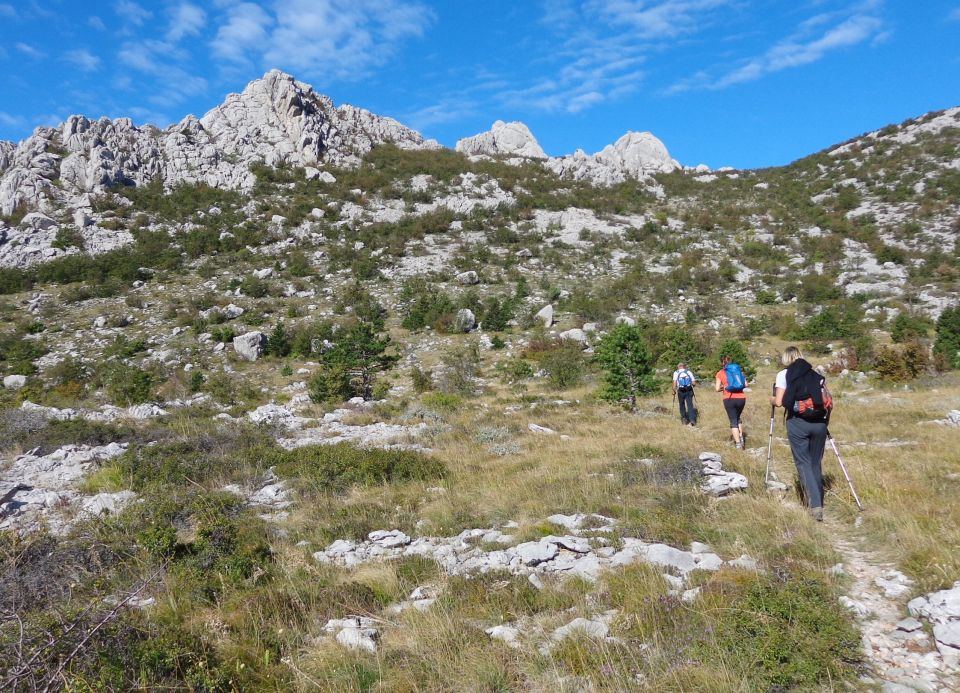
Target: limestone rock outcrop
275 120
636 155
509 139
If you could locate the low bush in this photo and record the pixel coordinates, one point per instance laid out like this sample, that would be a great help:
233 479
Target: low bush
337 467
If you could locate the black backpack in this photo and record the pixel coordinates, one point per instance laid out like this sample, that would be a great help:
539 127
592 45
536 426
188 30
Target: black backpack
810 399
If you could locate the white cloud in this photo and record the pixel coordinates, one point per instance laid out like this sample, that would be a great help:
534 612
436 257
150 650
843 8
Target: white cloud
132 12
796 51
247 26
954 15
168 64
444 111
320 38
97 23
29 50
655 20
12 121
82 59
7 10
186 20
147 115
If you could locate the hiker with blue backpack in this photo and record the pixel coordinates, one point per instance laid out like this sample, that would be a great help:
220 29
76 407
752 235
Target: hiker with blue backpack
683 383
731 381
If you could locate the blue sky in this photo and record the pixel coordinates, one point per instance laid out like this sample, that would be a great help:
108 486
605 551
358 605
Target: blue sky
723 82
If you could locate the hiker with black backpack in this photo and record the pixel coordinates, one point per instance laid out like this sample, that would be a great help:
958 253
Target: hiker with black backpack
803 394
731 381
683 383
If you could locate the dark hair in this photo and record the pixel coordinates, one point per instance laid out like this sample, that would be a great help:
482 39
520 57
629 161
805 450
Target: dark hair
725 359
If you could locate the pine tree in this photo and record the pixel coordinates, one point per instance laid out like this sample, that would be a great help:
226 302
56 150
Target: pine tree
278 344
947 346
627 364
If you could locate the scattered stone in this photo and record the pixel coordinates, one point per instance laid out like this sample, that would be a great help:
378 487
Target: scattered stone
909 625
250 346
894 584
468 278
584 627
545 316
575 335
859 609
14 382
354 632
505 634
465 320
536 428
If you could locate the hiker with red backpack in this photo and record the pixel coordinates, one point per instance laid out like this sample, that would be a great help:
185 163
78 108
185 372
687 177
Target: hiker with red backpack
803 394
731 381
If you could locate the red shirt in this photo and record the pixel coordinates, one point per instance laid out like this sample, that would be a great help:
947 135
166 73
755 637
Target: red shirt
722 377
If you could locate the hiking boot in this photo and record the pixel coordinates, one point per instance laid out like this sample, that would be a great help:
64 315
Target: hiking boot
817 513
739 446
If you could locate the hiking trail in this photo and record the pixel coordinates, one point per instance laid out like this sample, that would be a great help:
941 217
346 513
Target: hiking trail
900 656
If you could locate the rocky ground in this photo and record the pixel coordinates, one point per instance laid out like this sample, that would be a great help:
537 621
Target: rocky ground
294 398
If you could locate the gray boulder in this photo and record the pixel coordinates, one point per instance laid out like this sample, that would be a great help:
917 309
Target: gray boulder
250 346
465 320
468 278
14 382
545 315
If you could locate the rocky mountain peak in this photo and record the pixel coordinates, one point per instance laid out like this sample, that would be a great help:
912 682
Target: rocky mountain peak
274 120
510 139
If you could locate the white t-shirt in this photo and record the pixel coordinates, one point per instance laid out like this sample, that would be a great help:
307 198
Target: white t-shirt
677 373
781 381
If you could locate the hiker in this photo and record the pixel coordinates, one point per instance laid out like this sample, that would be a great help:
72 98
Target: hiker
683 383
802 392
731 381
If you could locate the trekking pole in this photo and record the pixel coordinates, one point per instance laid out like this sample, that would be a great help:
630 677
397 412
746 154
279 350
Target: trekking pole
766 476
843 467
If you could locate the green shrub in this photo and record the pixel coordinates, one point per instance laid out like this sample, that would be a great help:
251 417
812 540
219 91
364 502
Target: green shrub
738 353
127 385
947 345
330 384
442 402
786 635
564 365
907 327
461 369
422 380
337 467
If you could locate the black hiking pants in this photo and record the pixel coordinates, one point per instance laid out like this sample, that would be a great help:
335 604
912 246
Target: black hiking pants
807 441
688 413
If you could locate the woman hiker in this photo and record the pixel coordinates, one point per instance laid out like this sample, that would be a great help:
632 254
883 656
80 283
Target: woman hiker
807 438
731 382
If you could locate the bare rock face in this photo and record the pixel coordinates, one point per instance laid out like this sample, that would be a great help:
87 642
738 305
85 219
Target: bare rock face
275 120
510 139
636 155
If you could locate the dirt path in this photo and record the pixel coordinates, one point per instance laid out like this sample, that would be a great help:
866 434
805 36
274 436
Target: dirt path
901 656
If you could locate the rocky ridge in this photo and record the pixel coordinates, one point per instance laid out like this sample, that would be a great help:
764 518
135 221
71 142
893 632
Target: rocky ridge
275 120
636 155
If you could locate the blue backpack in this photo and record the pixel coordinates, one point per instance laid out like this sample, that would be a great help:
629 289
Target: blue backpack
736 381
684 380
